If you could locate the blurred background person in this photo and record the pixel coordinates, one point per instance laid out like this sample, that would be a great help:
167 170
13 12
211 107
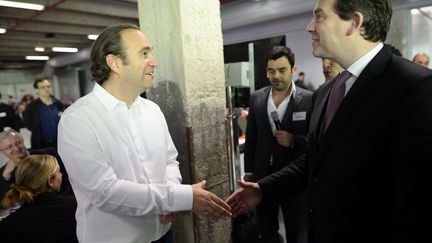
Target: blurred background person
330 69
8 117
422 59
43 115
301 82
44 216
12 147
13 150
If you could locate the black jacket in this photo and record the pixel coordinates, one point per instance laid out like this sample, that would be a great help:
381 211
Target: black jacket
32 120
50 218
368 175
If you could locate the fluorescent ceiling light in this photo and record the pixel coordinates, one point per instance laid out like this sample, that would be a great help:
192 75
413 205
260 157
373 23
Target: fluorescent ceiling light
39 49
2 31
64 49
39 58
92 37
22 5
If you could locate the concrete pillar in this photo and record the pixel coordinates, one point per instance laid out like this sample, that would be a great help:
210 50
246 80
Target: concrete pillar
399 34
190 90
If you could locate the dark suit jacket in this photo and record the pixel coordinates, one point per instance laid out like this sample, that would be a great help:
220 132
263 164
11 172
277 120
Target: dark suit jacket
368 174
260 142
32 120
8 118
50 218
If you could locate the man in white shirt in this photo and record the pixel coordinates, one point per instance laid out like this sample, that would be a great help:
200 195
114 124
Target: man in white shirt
118 152
370 134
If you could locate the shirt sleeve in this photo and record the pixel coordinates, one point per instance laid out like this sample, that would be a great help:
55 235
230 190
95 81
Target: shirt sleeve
94 179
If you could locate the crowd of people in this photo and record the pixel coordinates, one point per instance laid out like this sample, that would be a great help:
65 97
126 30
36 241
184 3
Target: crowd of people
345 163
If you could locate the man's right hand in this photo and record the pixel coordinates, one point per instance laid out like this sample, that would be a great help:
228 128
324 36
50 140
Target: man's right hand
245 198
208 204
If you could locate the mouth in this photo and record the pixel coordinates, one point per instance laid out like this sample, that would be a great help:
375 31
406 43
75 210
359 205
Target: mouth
151 73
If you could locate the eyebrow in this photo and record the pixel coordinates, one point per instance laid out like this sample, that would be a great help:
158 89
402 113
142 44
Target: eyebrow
144 49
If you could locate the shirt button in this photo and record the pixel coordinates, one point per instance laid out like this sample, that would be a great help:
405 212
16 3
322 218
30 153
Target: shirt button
310 210
315 179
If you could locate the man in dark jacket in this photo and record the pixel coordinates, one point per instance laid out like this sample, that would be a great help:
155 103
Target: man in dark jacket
367 167
43 115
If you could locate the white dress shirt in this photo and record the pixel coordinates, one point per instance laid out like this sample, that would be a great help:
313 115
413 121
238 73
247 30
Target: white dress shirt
282 106
357 67
122 167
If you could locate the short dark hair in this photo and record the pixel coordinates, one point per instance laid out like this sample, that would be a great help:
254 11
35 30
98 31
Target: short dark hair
108 42
35 84
394 50
301 74
376 16
281 51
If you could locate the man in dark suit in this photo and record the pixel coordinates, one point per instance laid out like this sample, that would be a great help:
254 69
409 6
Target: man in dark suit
270 147
367 165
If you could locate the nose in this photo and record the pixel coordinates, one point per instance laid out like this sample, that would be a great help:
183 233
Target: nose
311 26
153 61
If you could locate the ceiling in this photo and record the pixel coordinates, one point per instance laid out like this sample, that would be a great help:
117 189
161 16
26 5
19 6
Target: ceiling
66 23
63 23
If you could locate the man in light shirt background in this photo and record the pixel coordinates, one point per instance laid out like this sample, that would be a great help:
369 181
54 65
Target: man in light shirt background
118 151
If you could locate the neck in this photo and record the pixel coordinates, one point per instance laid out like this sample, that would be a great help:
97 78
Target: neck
121 92
361 49
45 100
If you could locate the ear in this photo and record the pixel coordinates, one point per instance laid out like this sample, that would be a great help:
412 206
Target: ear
356 23
50 182
112 62
294 69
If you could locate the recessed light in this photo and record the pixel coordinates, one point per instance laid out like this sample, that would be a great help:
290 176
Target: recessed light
92 37
40 49
2 31
37 58
30 6
64 49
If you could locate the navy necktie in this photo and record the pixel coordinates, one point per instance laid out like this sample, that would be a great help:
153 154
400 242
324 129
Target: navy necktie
337 94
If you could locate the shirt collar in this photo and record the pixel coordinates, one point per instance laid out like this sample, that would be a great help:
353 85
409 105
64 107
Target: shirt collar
357 67
108 100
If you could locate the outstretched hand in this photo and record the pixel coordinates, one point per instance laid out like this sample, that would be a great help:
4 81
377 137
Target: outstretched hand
245 198
208 204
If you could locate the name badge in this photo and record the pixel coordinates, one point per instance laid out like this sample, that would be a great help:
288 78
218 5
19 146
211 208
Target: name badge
299 116
2 114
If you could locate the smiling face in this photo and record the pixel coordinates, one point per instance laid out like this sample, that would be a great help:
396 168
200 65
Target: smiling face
328 30
12 146
137 70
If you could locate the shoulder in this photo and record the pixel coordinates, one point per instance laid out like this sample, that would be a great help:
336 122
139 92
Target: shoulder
261 92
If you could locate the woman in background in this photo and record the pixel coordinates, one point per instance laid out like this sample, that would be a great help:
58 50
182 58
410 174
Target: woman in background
43 216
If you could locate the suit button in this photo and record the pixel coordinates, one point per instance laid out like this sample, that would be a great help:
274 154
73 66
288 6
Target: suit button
310 210
315 179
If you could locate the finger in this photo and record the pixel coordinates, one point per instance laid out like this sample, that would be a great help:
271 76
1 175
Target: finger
219 205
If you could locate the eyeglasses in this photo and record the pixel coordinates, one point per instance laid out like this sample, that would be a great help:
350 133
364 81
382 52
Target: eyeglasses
44 87
10 146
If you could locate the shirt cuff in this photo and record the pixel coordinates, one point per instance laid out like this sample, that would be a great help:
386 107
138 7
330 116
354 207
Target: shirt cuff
183 197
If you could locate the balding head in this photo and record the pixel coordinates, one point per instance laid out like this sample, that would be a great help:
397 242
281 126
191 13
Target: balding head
422 59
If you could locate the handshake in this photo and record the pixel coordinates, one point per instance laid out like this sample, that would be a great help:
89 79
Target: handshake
210 206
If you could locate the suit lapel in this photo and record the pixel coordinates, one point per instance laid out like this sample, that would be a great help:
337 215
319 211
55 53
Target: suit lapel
262 107
367 80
